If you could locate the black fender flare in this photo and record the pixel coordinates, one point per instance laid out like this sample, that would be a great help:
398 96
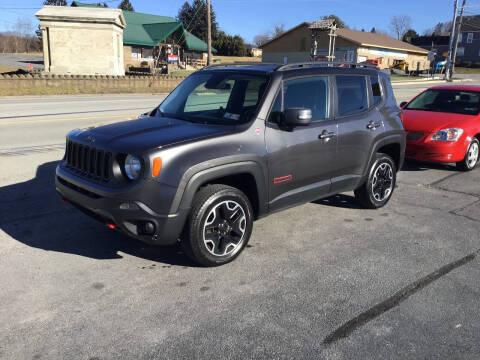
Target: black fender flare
398 138
191 183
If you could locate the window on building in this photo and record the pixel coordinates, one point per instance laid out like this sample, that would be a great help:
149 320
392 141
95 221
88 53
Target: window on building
469 38
352 94
303 44
460 51
136 52
460 37
376 89
310 93
147 53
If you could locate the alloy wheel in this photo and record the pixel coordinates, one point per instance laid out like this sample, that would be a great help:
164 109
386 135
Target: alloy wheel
472 155
382 182
224 228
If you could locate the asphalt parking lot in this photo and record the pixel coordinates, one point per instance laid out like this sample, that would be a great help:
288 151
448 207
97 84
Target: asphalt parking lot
324 280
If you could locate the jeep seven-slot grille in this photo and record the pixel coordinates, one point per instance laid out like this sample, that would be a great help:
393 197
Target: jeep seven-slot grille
89 160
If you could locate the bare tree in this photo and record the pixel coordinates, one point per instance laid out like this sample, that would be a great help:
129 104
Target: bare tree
278 30
400 24
261 39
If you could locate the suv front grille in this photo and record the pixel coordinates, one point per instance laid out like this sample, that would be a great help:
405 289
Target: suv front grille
89 160
413 136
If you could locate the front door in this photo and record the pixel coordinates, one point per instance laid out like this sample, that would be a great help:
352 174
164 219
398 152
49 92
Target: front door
301 159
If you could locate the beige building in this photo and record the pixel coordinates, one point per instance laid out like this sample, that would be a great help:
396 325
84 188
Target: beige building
82 41
384 51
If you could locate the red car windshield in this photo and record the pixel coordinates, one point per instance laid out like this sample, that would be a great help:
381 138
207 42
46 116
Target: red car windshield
449 101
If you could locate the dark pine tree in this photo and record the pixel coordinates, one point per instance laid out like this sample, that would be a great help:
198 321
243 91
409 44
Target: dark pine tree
126 5
55 2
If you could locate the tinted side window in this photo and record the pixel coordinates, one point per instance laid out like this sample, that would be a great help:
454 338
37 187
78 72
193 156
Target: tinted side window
310 93
352 94
376 90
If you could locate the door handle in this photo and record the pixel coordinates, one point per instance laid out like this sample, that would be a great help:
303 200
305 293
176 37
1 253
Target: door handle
326 135
373 125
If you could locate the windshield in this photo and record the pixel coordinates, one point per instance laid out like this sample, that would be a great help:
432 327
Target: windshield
449 101
220 97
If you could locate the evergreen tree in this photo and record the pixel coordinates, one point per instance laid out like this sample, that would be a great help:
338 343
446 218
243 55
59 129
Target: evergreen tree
338 21
373 30
126 5
55 2
194 19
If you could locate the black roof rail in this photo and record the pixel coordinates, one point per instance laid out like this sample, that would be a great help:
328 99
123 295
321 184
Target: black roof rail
325 64
239 63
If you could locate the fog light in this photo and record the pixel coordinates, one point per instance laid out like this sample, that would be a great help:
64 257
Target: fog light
128 206
146 228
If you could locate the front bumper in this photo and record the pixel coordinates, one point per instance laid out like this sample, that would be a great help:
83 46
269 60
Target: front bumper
441 152
131 219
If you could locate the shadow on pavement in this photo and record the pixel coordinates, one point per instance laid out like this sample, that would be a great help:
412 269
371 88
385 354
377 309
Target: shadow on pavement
31 212
339 200
414 165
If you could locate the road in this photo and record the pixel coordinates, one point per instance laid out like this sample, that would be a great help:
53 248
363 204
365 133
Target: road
324 280
40 121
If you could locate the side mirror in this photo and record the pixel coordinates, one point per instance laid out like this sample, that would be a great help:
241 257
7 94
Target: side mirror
402 104
297 117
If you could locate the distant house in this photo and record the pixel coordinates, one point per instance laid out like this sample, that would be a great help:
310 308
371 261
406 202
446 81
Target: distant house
438 45
253 51
295 45
156 39
469 40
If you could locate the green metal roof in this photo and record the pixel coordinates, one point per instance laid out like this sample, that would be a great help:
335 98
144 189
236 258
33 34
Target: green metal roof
194 43
133 17
149 30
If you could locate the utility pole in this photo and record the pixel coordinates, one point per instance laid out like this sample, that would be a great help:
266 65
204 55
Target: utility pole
459 31
448 70
209 34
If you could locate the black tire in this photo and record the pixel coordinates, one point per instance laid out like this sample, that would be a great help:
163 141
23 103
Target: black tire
467 163
216 202
374 199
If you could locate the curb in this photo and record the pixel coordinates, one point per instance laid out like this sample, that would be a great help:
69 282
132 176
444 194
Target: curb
423 82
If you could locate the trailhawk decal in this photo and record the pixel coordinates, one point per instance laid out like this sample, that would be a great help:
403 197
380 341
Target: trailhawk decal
282 179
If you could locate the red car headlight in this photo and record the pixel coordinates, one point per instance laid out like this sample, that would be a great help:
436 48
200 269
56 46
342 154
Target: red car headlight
452 134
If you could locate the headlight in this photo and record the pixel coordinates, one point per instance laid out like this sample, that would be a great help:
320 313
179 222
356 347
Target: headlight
133 167
447 135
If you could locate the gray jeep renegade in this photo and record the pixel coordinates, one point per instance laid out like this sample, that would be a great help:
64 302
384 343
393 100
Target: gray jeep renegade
232 144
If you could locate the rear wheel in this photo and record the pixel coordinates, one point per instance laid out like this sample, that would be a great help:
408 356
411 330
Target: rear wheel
471 156
219 225
378 188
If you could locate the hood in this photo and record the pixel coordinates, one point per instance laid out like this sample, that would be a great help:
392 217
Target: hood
431 121
146 133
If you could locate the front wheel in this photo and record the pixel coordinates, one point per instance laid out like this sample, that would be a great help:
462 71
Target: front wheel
219 225
471 156
378 188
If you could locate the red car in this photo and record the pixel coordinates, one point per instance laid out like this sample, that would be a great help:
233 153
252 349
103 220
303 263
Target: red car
443 125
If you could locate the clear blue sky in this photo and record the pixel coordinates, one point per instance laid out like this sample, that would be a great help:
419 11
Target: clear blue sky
250 17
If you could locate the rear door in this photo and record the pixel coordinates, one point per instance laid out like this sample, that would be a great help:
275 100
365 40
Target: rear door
301 159
359 123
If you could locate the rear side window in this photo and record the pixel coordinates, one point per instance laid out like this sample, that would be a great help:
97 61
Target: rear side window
376 90
352 94
310 93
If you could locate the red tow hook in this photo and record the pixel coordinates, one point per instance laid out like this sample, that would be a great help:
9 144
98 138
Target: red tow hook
65 201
